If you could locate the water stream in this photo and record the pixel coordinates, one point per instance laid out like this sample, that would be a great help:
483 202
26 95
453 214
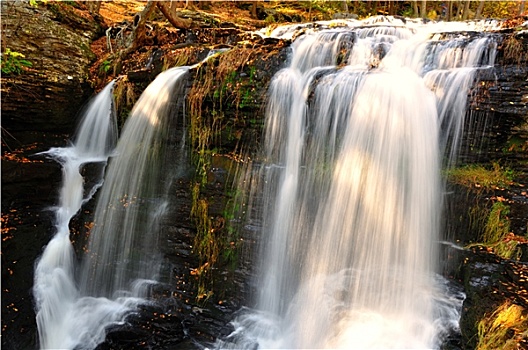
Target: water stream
123 246
358 126
56 294
76 303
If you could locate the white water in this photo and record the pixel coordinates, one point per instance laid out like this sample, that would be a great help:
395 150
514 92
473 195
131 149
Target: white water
121 249
54 288
123 245
356 129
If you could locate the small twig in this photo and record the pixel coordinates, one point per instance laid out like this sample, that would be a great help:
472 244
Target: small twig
108 40
9 134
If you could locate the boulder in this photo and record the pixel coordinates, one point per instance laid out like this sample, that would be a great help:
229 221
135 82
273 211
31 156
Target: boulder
55 38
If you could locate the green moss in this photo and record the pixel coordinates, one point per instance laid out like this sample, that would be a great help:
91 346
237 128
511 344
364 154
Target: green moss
205 243
87 51
216 88
497 230
13 62
496 235
215 243
222 85
55 9
503 329
232 232
498 224
516 144
248 98
478 176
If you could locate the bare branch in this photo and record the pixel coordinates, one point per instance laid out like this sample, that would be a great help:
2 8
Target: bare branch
138 28
174 19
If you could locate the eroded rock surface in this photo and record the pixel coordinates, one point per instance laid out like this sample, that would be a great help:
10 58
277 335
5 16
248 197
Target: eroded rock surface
55 38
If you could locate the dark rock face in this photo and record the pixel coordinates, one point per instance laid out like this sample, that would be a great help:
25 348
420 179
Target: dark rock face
30 186
56 39
239 127
498 105
488 282
496 131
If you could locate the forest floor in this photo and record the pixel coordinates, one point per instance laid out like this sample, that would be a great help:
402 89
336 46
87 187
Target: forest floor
118 11
119 14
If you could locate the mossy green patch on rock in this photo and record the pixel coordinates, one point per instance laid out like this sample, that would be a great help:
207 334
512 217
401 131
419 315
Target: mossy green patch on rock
505 328
479 176
225 114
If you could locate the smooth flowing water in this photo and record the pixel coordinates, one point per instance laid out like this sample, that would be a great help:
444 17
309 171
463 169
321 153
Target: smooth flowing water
56 294
76 303
123 246
357 128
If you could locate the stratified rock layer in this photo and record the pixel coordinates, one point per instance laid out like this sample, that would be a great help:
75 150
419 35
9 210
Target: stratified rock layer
56 39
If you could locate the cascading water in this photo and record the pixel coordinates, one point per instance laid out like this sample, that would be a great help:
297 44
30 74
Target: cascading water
54 288
356 129
123 245
121 252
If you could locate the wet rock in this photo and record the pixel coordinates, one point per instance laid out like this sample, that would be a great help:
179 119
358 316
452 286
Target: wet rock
498 106
151 327
488 283
29 189
344 15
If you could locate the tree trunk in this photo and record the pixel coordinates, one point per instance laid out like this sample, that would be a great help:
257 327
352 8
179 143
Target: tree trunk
450 11
478 14
189 5
254 10
344 6
138 28
424 9
174 19
465 14
521 7
416 13
356 6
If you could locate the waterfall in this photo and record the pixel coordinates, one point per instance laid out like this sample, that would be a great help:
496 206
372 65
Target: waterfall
75 304
54 286
123 245
358 126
